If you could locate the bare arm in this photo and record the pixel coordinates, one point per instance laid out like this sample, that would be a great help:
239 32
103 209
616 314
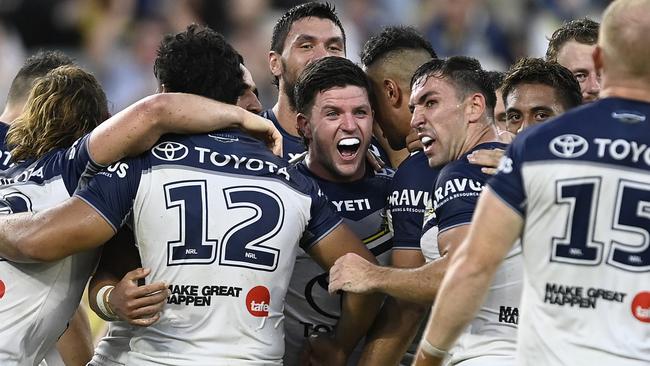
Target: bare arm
135 129
494 229
70 227
358 311
418 285
75 345
397 323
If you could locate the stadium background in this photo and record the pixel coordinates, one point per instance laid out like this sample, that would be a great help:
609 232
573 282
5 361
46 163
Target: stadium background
117 39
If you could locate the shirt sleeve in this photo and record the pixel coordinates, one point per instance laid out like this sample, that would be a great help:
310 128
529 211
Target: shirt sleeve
507 184
111 191
406 208
456 196
323 219
77 166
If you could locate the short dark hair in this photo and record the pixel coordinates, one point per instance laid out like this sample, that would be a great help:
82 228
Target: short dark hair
200 61
496 78
583 31
36 66
537 71
324 74
465 73
311 9
393 38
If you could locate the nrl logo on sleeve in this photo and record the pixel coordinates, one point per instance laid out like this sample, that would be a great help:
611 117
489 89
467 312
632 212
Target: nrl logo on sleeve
568 146
170 151
224 138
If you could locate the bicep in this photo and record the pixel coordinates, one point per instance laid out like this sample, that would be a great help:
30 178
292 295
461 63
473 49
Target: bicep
338 242
450 239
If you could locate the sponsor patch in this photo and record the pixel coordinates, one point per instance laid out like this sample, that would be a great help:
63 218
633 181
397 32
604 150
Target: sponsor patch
258 300
641 306
568 146
2 289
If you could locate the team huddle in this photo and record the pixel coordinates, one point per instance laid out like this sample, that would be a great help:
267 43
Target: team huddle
410 210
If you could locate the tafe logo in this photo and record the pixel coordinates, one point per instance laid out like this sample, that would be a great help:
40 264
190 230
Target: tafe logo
169 151
258 300
641 306
568 146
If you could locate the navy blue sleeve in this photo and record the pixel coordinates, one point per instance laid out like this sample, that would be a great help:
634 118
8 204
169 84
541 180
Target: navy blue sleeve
410 192
507 184
456 194
323 219
111 191
76 164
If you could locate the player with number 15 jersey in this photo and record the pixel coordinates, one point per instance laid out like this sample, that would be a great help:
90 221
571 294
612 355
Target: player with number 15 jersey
584 190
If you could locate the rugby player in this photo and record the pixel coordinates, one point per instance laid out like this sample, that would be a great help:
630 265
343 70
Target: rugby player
576 193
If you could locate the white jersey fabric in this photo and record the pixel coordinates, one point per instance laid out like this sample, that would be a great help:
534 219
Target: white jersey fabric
309 307
582 183
490 338
38 299
219 218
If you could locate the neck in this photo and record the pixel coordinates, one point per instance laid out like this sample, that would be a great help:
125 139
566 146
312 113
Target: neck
9 114
634 90
285 114
482 133
397 156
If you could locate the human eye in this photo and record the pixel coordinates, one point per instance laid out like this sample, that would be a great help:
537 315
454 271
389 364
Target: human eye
430 103
542 116
513 117
580 76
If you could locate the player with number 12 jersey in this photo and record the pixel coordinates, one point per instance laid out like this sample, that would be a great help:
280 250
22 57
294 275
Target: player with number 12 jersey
218 217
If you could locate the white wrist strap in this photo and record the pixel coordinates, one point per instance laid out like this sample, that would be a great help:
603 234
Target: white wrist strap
102 303
432 350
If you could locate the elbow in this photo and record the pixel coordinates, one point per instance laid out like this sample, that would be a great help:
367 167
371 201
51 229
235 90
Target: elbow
153 108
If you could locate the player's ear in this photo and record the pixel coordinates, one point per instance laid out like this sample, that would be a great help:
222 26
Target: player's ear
275 63
597 56
475 107
392 92
304 128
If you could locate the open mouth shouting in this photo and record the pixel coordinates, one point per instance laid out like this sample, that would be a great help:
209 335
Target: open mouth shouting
348 147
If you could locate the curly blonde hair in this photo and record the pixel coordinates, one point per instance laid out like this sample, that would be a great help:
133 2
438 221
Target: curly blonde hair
63 105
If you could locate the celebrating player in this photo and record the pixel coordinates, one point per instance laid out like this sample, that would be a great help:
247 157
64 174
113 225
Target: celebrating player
576 190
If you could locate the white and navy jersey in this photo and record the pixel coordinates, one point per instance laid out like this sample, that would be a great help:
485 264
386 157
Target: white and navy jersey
410 193
38 299
362 205
5 155
219 218
582 184
493 332
293 146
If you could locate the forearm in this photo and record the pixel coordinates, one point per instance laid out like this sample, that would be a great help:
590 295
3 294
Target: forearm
466 284
357 315
75 345
392 332
137 128
15 233
418 285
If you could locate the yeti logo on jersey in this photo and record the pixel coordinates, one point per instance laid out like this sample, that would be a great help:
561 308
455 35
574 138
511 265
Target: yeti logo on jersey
170 151
628 116
641 307
568 146
258 301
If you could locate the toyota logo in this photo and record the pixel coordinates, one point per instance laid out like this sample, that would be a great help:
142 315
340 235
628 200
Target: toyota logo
169 151
568 146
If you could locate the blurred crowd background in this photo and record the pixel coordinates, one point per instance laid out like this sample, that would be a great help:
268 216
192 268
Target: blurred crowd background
117 39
